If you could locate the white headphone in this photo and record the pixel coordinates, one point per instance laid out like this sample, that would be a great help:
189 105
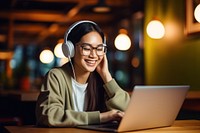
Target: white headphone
68 46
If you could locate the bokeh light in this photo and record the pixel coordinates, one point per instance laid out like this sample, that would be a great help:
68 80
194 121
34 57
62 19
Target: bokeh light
197 13
58 51
155 29
46 56
122 42
135 62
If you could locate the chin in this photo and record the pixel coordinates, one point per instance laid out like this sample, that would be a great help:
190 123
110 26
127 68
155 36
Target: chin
91 69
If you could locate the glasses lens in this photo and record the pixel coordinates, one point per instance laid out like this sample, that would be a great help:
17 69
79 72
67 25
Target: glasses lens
101 50
87 49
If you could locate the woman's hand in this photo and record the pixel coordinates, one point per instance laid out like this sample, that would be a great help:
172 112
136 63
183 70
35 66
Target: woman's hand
103 71
113 115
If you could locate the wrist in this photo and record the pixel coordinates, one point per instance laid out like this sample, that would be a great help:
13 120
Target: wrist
106 77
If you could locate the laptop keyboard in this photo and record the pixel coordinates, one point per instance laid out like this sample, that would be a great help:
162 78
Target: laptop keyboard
113 125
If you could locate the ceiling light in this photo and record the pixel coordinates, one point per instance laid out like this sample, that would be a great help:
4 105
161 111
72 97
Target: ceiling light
101 7
46 56
155 29
122 41
58 49
197 13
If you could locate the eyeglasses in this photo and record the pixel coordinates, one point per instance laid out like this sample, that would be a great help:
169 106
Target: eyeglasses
101 49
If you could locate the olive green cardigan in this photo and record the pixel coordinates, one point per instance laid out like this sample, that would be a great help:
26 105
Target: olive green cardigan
55 107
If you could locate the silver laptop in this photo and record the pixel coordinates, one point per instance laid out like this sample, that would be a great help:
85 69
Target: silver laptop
149 107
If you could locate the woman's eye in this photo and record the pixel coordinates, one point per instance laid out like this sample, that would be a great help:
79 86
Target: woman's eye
100 49
86 48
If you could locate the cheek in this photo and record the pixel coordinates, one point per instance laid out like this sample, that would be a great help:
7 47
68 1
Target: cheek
77 56
100 59
77 53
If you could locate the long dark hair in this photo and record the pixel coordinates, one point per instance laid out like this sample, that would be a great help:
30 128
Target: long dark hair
95 91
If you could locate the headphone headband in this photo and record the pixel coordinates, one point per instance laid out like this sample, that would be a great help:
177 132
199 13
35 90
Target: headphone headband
73 26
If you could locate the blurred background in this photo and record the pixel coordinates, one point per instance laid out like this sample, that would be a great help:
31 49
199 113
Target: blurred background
150 42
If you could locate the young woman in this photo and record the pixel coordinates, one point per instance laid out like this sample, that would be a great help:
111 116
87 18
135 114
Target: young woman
82 91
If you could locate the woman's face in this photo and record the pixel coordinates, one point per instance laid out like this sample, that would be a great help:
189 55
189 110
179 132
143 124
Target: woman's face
87 63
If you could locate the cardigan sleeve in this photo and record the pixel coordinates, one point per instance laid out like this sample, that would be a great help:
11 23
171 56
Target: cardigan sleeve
54 106
117 97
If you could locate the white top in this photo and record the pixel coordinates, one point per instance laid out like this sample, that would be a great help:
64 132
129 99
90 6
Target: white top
79 91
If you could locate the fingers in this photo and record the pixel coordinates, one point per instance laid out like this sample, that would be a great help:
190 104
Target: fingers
120 113
103 71
117 115
113 115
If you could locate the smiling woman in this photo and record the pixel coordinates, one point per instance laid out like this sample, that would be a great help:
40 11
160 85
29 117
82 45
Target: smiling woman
82 91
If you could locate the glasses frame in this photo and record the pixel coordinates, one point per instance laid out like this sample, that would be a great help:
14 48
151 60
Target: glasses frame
93 48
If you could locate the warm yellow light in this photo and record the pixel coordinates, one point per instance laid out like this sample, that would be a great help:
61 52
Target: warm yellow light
101 9
4 55
63 61
122 42
46 56
58 51
197 13
155 29
135 62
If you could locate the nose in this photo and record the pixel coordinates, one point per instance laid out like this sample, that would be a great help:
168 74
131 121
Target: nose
93 53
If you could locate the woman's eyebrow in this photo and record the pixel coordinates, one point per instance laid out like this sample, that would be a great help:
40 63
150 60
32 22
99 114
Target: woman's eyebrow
84 43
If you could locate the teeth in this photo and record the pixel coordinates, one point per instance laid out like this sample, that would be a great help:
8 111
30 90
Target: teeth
90 61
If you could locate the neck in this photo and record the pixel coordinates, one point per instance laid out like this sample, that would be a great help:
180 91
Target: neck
81 76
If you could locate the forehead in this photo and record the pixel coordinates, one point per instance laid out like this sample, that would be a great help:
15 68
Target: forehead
92 38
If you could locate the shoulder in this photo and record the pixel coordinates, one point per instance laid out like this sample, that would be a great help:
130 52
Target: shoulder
57 76
54 72
59 70
59 73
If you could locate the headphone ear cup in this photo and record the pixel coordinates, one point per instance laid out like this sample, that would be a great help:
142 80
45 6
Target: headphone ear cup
68 49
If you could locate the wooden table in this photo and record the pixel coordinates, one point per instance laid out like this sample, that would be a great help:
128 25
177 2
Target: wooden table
179 126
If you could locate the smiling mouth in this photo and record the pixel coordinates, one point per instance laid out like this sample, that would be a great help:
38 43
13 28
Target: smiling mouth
90 62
